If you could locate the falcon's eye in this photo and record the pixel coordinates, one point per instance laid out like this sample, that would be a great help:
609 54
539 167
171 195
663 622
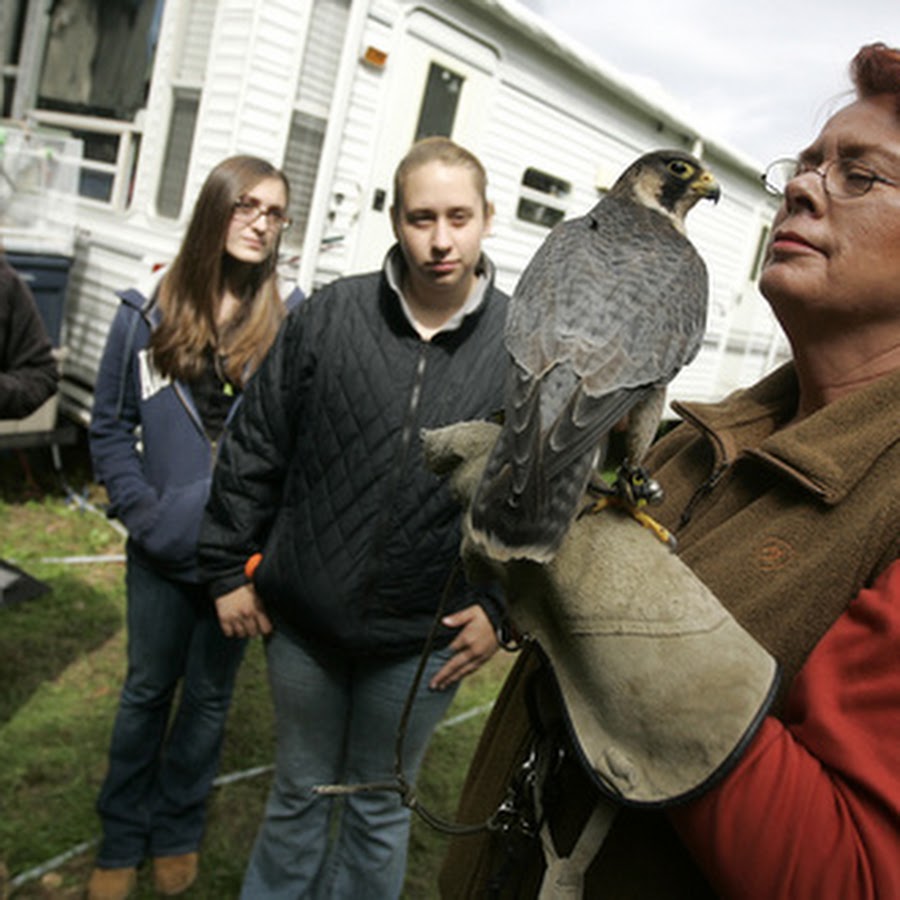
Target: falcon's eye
681 169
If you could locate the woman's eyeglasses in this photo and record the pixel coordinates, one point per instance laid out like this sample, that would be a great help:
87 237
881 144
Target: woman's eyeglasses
247 210
843 178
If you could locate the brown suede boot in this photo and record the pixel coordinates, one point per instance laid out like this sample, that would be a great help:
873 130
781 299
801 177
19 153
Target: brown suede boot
173 875
111 884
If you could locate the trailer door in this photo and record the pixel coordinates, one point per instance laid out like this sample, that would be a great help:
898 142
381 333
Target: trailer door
439 80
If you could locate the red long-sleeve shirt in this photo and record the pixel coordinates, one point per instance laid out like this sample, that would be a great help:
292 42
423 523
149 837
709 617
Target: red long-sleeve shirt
813 808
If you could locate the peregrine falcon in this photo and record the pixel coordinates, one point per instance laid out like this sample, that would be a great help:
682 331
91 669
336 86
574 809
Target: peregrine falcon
608 310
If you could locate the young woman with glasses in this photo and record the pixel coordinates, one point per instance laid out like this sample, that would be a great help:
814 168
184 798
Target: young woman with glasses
178 356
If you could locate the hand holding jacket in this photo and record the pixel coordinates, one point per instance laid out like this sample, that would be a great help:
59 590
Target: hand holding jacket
241 613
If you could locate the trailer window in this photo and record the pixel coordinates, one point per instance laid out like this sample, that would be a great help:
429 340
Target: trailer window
301 165
439 103
170 193
190 61
98 58
12 25
312 109
95 66
542 198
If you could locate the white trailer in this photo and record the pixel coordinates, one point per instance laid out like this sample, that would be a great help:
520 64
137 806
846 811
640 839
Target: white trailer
155 92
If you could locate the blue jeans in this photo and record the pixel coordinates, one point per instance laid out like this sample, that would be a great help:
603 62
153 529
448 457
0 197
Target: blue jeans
336 721
153 801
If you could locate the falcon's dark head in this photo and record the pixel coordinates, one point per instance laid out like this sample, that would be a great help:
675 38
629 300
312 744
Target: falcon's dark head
670 181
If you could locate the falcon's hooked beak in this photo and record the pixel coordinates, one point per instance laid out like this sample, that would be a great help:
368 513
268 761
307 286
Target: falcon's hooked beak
706 187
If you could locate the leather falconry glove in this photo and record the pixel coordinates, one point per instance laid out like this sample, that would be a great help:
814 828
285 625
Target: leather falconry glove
662 688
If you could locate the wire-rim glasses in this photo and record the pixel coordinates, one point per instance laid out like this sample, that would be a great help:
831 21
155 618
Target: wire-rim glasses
843 178
247 210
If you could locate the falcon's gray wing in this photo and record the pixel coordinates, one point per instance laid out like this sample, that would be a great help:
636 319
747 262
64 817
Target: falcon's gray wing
612 305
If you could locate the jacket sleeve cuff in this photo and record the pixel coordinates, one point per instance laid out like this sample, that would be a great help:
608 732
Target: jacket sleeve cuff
227 583
490 598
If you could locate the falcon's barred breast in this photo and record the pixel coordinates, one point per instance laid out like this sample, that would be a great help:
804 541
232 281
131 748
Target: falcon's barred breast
609 309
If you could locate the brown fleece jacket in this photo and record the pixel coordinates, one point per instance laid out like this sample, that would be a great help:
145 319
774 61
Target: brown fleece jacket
785 523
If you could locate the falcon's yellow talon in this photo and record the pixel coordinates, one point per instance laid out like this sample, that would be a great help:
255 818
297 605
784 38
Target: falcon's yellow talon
658 529
638 515
597 506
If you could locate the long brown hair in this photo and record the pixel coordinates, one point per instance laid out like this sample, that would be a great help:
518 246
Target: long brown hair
191 290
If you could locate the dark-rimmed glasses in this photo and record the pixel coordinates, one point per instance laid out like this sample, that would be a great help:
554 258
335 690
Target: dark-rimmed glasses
247 210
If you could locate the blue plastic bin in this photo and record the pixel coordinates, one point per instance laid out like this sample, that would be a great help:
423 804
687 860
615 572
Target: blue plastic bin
48 277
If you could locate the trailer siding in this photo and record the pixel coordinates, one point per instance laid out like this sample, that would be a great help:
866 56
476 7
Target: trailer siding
284 80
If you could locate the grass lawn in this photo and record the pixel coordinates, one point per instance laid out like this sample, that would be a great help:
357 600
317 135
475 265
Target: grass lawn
62 658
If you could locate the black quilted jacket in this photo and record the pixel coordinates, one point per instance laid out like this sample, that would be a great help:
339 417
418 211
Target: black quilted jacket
322 470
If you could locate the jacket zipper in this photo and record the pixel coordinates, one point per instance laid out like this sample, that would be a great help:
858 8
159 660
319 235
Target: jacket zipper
195 418
703 490
406 435
722 463
149 313
411 412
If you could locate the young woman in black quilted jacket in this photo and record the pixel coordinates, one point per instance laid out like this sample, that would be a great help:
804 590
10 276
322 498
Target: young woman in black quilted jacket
326 532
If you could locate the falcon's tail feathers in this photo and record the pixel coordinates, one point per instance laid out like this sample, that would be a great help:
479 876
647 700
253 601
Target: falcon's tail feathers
536 527
534 483
510 486
523 508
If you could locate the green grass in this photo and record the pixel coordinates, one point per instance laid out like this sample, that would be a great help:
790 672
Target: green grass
62 660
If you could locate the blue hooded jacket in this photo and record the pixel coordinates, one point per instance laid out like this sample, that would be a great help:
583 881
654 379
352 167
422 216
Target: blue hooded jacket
148 445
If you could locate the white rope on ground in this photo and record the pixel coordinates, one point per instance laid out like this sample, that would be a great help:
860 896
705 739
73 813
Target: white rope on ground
84 560
465 716
84 504
232 777
50 865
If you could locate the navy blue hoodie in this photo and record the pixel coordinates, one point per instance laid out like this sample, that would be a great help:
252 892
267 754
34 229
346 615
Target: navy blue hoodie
148 445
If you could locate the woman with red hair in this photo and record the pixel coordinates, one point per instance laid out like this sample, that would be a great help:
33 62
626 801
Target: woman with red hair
785 499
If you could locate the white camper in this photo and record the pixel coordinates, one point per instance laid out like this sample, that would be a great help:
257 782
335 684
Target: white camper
128 104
